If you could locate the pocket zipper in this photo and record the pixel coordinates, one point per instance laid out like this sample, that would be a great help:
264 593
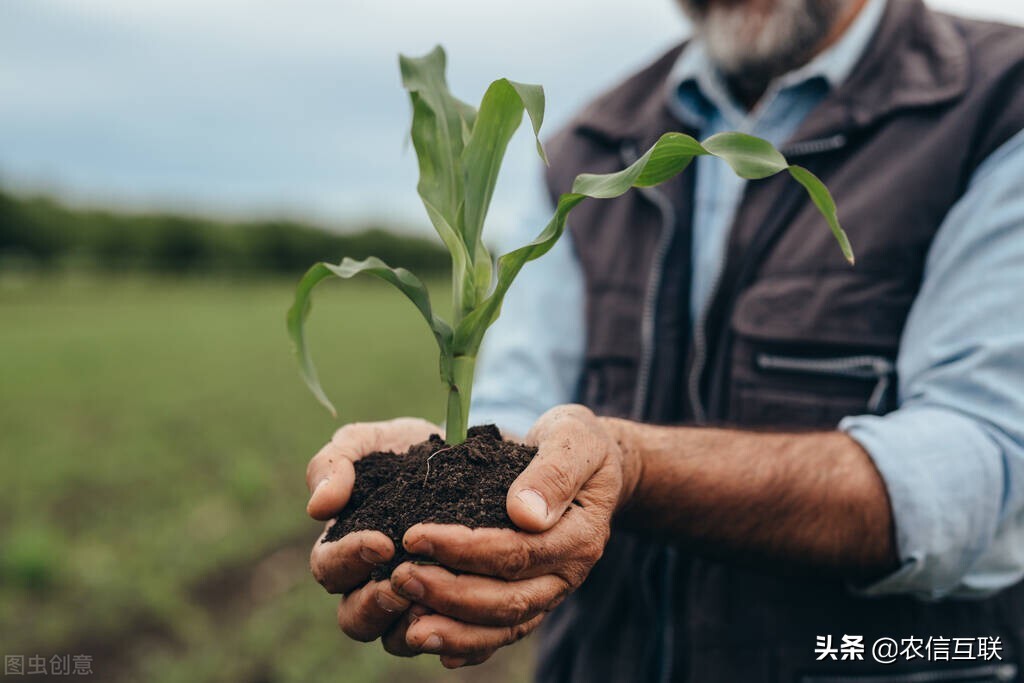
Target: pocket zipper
878 368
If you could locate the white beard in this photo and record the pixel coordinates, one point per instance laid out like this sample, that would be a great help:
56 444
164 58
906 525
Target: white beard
759 46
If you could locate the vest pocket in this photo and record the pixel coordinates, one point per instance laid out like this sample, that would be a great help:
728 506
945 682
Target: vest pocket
874 368
810 349
1002 672
784 389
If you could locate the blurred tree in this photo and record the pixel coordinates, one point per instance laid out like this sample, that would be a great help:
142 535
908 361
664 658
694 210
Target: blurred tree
44 233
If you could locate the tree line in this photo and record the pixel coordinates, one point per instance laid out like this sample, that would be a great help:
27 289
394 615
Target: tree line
41 232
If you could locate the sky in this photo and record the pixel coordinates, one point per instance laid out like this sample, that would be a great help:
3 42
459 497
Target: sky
265 107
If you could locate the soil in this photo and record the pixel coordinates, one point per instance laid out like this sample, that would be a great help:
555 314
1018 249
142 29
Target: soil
432 482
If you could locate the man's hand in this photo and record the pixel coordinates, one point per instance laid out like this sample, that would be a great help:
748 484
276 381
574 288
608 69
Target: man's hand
566 497
369 609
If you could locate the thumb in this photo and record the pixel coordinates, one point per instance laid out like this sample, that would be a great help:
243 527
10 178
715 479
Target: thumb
566 460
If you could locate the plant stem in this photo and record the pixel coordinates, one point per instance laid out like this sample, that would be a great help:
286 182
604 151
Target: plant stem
459 392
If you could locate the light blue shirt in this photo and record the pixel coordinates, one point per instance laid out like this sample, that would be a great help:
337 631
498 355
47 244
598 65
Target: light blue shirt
952 454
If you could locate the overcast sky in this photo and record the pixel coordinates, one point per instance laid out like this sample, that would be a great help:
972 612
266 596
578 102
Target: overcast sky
255 107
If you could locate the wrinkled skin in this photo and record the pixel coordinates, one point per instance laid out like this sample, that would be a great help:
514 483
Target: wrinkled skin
509 579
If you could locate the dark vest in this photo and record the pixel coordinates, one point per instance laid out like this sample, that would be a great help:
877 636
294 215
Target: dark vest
794 338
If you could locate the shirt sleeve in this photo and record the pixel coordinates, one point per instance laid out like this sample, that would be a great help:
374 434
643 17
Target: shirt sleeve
952 454
532 356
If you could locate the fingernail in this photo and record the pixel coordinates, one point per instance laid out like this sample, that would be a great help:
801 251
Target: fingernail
454 662
390 603
412 589
370 555
432 643
534 502
422 547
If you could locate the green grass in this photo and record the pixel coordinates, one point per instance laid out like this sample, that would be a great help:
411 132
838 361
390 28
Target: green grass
154 435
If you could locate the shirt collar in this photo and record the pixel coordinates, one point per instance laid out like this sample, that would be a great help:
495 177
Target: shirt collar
695 72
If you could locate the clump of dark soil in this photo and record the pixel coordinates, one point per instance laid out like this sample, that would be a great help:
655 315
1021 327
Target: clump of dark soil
433 482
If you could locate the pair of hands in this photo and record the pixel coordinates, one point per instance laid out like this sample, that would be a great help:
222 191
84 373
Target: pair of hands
509 579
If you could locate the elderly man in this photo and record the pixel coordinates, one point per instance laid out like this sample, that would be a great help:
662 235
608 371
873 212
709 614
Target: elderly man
843 498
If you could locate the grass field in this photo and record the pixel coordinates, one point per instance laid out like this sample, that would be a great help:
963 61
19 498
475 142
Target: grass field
154 435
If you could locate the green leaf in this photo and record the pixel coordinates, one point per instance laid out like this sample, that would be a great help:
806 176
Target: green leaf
464 289
482 271
533 100
822 199
749 157
501 113
668 158
470 330
406 282
438 123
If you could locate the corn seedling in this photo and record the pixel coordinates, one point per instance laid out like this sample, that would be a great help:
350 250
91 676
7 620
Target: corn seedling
460 151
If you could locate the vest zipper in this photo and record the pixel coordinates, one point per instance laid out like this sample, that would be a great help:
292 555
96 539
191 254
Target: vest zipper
870 367
629 154
700 354
815 146
664 555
